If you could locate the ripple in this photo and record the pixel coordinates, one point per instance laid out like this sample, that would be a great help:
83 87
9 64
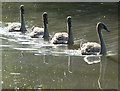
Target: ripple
5 45
22 40
73 52
15 73
32 43
25 49
3 38
13 40
110 53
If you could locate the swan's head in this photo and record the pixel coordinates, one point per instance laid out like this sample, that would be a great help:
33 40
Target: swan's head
101 26
45 17
22 8
69 19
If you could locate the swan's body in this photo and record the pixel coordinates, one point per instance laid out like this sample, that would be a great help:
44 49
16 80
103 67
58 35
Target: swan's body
12 27
18 27
63 37
90 48
60 38
93 48
38 32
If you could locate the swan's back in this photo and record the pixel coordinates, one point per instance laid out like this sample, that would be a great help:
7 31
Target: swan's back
90 48
12 27
60 38
37 32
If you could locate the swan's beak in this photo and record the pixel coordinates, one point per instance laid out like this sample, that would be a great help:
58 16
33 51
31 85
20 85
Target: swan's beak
22 8
45 17
107 29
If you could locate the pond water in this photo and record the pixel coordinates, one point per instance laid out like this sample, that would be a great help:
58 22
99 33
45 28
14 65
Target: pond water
38 64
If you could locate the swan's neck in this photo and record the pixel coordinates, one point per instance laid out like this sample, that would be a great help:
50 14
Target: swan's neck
103 48
46 33
22 28
70 35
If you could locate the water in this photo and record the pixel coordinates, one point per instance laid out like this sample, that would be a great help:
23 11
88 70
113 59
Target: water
38 64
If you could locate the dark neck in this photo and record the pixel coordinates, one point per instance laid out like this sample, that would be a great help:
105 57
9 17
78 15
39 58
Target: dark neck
70 35
103 48
46 33
22 28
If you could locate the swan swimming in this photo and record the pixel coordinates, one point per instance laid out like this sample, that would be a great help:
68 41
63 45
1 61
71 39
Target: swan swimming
93 48
38 32
63 37
18 27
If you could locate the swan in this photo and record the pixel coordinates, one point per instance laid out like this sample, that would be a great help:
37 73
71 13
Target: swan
18 27
63 37
93 48
38 32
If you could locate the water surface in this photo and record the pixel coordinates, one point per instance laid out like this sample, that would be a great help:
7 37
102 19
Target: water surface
35 63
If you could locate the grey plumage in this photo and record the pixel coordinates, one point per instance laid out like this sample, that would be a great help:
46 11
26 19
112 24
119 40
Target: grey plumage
92 48
38 32
18 27
63 37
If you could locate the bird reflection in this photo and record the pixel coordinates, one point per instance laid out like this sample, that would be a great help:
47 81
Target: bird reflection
21 54
69 64
95 59
92 59
102 71
99 84
44 59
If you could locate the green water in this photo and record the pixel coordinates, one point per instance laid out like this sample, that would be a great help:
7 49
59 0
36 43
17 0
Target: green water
32 64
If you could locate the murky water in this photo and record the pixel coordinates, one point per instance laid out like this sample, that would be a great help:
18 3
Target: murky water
35 63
